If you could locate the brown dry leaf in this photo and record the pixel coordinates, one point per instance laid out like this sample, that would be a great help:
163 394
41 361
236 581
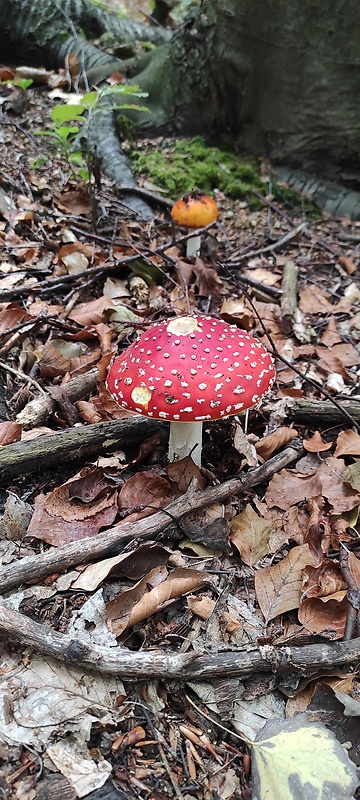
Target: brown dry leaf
182 300
145 489
279 438
56 530
330 335
348 263
183 472
92 484
278 588
91 313
11 316
73 202
10 432
354 565
324 617
202 607
133 565
250 535
87 411
348 443
313 300
153 592
318 529
207 279
323 580
231 624
262 275
236 311
316 443
287 488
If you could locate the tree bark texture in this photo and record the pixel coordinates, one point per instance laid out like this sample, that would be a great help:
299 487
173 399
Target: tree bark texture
280 75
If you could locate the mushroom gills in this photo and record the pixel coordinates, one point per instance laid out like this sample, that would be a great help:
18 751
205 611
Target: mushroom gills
185 438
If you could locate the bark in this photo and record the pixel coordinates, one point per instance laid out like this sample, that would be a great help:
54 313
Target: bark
176 666
324 412
89 441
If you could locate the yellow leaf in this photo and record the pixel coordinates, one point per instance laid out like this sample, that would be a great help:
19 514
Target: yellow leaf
295 759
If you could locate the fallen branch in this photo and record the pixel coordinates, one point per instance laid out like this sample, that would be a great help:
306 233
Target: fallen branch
188 666
89 441
38 409
325 413
110 542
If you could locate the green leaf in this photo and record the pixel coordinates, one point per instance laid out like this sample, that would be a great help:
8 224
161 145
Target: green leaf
119 314
301 760
147 271
66 113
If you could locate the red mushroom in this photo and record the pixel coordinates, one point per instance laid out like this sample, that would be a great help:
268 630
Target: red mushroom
194 211
189 370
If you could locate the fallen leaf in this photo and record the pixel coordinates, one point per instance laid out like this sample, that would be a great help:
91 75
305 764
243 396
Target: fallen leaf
287 488
293 759
354 565
323 580
330 336
207 279
250 535
278 588
145 489
325 616
149 595
316 444
202 607
10 432
348 443
348 263
271 443
313 300
133 565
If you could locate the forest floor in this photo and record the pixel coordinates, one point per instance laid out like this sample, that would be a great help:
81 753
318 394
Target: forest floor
141 650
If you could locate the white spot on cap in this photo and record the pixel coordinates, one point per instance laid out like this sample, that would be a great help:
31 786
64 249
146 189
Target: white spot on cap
202 386
239 390
167 384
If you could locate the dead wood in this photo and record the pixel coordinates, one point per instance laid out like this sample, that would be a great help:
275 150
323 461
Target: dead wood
86 442
188 667
325 413
32 568
38 409
289 297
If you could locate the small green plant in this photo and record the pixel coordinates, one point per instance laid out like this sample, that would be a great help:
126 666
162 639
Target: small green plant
68 118
20 83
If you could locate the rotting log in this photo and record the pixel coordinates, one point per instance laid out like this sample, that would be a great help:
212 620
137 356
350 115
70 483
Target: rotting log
89 441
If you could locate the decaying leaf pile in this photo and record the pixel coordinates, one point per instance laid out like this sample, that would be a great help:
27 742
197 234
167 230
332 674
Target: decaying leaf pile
206 564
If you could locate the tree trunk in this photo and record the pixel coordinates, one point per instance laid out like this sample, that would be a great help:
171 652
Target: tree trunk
281 76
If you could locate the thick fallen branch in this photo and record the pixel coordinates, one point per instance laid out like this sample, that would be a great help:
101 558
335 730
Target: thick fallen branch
110 542
86 442
190 666
325 413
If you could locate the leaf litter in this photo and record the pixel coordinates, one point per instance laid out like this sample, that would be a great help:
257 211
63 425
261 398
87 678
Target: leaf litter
271 566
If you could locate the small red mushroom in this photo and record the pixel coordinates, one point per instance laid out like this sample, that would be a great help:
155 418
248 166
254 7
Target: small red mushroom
189 370
194 211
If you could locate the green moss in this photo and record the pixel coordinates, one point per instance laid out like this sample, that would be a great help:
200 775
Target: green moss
181 165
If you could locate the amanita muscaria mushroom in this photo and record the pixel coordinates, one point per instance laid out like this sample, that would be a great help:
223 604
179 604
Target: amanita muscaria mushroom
189 370
194 211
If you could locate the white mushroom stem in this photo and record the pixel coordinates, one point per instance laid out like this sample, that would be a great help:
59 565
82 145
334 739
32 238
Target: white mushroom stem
185 438
193 246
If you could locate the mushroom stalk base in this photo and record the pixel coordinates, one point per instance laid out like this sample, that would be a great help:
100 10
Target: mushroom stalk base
185 439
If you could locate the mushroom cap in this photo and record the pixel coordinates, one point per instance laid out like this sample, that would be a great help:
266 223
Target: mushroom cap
195 211
191 368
